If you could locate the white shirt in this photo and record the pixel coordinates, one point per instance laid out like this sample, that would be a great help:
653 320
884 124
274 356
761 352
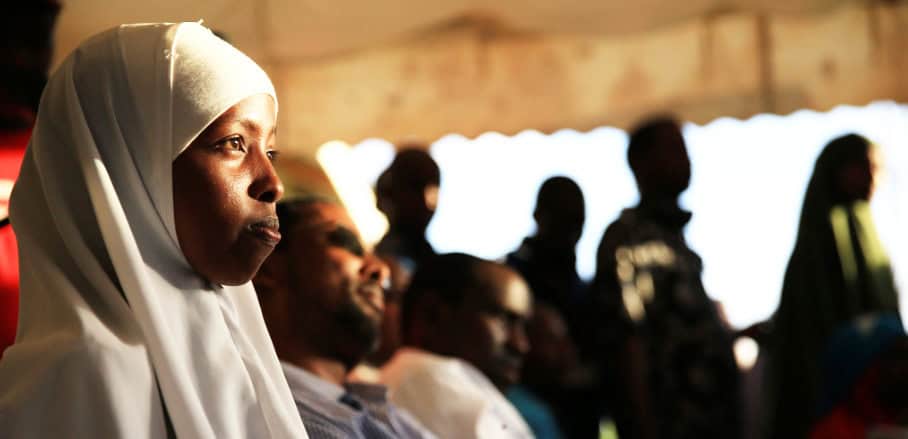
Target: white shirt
451 397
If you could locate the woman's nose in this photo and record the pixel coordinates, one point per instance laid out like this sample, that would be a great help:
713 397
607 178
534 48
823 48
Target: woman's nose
267 186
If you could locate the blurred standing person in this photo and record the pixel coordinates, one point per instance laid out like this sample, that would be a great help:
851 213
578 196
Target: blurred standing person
838 270
667 358
547 260
407 193
26 46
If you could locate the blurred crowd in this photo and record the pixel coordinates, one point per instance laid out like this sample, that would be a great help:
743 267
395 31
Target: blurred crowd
400 341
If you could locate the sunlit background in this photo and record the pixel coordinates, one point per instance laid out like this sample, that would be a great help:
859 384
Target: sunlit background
748 182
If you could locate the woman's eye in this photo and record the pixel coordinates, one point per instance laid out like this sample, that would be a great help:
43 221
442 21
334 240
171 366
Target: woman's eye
233 143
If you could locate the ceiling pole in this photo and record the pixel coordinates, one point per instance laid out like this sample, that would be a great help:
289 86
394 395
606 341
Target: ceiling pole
765 63
260 11
873 29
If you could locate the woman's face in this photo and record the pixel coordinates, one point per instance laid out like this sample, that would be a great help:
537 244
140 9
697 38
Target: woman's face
224 193
857 179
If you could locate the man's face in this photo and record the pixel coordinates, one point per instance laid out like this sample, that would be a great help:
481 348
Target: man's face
488 328
335 286
667 168
552 352
414 206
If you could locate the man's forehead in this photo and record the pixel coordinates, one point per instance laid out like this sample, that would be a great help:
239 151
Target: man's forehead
326 216
503 289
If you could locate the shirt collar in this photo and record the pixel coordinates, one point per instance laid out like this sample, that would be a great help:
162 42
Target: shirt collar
665 212
301 380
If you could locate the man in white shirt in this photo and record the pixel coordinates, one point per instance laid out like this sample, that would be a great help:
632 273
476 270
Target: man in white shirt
322 298
463 324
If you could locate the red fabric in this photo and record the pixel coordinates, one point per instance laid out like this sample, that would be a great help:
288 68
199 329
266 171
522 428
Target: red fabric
853 417
9 288
12 149
840 424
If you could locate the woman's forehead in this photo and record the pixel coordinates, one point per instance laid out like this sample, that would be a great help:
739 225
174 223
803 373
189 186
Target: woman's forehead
255 113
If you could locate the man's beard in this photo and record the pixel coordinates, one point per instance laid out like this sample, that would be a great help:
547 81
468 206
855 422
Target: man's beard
361 329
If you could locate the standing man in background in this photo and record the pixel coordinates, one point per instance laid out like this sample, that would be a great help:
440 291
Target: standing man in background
407 193
666 357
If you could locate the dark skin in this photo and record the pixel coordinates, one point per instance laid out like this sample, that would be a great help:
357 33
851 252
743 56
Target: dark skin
322 294
224 194
560 215
553 354
857 179
488 329
665 173
413 196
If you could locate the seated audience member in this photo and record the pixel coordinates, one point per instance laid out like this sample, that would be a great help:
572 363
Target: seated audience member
865 392
463 331
322 297
555 382
546 364
144 206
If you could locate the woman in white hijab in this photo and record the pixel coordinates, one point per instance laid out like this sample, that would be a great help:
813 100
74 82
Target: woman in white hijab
144 205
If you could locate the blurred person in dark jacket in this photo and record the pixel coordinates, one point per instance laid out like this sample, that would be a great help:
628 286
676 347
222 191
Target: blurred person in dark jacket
667 358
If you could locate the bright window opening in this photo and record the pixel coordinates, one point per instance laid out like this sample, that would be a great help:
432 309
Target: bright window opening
748 182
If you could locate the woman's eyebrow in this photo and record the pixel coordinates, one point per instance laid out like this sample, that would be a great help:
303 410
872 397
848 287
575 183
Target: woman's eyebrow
255 127
250 125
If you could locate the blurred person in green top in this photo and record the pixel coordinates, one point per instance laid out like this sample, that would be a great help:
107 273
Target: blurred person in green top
837 271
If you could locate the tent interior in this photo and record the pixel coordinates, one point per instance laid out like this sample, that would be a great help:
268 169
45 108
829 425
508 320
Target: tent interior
512 91
350 70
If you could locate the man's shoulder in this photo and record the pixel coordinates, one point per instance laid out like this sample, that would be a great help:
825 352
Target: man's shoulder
619 232
443 393
418 374
412 363
629 218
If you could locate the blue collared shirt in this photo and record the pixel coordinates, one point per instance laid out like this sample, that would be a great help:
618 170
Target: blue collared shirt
356 410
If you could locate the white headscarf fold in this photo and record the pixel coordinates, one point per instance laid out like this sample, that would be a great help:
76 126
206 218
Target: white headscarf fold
117 333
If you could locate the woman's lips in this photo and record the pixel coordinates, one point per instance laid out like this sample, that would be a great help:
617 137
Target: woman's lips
266 230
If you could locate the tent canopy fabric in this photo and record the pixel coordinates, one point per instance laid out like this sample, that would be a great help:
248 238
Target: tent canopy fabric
420 69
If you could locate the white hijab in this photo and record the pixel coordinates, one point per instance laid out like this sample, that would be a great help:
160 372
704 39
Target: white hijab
114 324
